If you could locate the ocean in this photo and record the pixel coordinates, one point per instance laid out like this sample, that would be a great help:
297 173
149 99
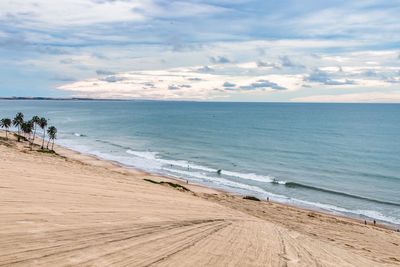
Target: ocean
339 158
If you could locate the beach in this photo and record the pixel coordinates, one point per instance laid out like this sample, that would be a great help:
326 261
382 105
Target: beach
321 163
73 209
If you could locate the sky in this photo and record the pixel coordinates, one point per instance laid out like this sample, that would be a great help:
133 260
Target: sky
202 50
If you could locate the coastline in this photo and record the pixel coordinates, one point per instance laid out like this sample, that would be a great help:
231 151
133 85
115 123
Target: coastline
200 188
346 238
92 159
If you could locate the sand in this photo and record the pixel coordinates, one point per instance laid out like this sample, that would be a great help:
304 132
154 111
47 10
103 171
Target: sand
72 209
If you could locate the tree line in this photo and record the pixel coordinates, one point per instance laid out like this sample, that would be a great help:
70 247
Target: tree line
29 129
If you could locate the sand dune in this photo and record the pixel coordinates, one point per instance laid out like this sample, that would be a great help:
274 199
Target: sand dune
77 210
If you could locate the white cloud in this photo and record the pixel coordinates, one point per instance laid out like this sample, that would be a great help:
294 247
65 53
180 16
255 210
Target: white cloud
182 83
49 13
372 97
180 78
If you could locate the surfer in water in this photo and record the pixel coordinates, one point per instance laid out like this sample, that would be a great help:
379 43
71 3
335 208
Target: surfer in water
219 172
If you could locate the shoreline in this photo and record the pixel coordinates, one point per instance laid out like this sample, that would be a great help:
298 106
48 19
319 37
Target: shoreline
89 158
204 188
78 209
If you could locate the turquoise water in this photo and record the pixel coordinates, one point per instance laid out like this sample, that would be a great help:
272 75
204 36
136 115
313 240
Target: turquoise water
341 158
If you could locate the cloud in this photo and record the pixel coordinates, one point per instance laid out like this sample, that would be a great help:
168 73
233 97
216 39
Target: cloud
45 13
68 61
149 84
61 78
288 63
219 60
195 79
263 64
323 77
371 97
143 42
51 50
263 84
205 69
112 79
104 72
392 80
178 9
177 44
175 84
173 87
228 84
179 86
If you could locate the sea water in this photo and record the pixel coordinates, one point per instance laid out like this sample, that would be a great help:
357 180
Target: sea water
341 158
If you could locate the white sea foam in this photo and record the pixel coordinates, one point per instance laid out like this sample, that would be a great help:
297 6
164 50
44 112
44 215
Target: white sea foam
150 161
377 215
279 182
250 176
143 154
179 163
335 209
224 183
191 166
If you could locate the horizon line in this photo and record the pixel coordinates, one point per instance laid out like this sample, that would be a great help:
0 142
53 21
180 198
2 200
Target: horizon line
44 98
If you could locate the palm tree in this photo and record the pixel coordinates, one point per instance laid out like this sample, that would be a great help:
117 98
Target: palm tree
36 121
17 122
43 125
26 128
31 125
5 123
52 132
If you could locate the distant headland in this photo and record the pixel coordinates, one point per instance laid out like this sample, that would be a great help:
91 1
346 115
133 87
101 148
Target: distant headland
57 98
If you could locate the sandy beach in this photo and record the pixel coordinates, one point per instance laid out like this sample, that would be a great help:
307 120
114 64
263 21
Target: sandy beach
71 209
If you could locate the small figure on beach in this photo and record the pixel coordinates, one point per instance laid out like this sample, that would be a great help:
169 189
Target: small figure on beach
374 222
187 182
219 172
267 198
365 222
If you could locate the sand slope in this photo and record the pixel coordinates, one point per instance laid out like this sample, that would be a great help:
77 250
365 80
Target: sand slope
57 211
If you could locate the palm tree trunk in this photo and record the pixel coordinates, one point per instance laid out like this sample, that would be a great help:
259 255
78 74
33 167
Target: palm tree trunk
48 144
19 133
34 133
44 135
52 146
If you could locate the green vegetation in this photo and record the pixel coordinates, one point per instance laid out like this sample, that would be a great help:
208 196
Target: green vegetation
20 137
173 185
36 121
26 130
43 125
17 122
5 123
176 186
151 181
52 133
251 198
47 151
